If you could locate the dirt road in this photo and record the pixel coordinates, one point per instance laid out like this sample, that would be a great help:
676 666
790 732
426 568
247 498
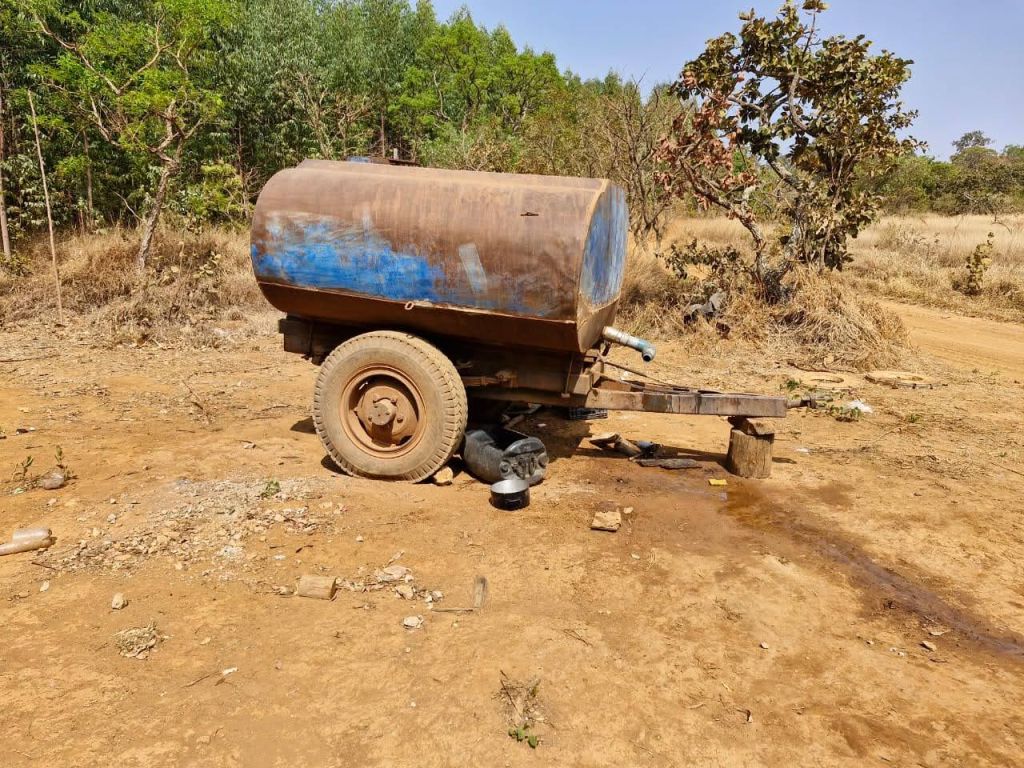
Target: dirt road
864 606
971 343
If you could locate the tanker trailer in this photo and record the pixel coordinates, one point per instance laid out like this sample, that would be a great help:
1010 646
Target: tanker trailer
420 292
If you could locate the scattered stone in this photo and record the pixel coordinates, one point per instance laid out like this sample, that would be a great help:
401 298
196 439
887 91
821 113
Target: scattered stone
928 646
393 573
137 642
606 521
444 476
408 592
111 519
52 480
412 622
44 587
764 646
717 482
359 539
119 602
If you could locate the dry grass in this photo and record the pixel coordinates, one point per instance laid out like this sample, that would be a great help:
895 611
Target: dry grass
826 324
918 259
192 283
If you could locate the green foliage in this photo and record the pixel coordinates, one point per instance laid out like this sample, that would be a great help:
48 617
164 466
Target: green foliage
780 105
189 106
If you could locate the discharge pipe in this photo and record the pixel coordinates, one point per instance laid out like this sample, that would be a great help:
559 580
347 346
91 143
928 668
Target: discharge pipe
615 336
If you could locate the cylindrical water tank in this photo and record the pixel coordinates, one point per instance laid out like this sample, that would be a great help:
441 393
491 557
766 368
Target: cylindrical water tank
533 261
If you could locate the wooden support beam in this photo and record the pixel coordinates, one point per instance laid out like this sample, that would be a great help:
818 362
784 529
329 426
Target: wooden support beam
751 443
687 402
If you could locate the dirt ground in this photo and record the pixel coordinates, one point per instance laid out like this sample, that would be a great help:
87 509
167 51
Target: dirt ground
775 622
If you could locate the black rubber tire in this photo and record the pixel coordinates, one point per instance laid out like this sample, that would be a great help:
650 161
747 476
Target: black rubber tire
439 385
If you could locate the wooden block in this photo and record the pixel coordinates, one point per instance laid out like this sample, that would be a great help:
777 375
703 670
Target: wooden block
320 587
756 427
750 455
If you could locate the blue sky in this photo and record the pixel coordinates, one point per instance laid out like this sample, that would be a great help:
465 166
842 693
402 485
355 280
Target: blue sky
969 56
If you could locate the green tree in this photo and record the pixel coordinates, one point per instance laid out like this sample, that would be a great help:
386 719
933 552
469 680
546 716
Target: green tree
780 104
972 140
142 77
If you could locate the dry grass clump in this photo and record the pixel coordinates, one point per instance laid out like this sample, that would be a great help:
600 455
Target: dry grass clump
920 259
192 281
826 324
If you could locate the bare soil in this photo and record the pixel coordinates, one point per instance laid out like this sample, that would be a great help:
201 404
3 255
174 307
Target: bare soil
775 622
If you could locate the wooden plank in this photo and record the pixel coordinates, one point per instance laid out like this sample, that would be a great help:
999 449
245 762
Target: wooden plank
689 402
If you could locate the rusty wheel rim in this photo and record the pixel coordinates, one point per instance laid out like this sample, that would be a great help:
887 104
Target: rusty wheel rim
382 412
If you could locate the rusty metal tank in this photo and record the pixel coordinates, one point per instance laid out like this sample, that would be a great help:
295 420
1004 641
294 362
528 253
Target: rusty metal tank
533 261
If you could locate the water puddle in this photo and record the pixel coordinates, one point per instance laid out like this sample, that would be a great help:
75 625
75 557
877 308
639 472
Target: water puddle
794 532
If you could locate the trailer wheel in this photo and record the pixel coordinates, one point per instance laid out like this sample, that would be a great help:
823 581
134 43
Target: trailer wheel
389 406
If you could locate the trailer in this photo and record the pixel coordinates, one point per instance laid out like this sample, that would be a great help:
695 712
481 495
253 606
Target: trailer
424 293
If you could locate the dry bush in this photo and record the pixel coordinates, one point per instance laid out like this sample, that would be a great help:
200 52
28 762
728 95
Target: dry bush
826 323
922 259
193 281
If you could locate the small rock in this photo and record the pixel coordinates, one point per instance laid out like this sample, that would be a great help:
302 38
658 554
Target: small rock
412 622
359 539
393 573
928 646
119 601
111 519
607 521
444 476
51 481
627 510
405 591
764 646
44 586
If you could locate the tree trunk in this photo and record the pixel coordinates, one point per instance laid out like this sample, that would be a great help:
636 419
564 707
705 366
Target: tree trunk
149 227
4 233
88 182
49 213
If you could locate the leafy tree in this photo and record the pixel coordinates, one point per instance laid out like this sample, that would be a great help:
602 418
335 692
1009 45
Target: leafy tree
972 140
779 103
140 77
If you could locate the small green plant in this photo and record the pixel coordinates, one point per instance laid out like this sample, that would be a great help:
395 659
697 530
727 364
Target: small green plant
21 473
792 385
62 465
978 262
523 734
844 413
270 488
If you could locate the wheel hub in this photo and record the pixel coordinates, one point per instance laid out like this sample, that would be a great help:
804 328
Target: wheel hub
381 411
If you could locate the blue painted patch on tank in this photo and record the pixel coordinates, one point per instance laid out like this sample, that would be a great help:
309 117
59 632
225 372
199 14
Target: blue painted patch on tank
604 256
324 254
